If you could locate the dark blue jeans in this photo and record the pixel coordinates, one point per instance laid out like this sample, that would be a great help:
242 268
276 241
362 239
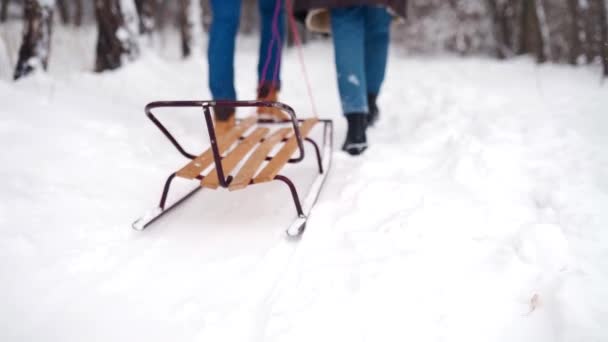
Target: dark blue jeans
361 38
222 41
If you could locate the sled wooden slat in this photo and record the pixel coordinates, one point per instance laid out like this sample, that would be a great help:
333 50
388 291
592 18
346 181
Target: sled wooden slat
196 166
282 157
235 156
252 165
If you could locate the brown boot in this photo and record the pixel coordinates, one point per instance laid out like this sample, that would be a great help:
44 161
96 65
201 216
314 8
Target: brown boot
224 120
271 94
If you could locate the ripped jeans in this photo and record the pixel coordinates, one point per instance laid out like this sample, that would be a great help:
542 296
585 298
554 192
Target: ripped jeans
361 38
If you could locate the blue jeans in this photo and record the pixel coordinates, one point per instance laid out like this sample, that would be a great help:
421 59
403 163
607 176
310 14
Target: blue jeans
361 37
222 41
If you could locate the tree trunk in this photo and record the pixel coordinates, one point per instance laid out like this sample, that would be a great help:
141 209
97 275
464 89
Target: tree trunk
577 34
36 44
544 32
526 24
146 10
64 11
207 14
531 36
588 28
161 14
185 27
604 35
190 17
116 41
78 13
249 17
502 16
4 10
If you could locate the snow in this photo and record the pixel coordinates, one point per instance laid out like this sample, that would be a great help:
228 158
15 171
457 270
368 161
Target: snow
477 214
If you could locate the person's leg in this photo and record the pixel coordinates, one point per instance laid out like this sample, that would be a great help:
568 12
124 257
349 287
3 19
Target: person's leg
272 22
347 25
222 40
377 37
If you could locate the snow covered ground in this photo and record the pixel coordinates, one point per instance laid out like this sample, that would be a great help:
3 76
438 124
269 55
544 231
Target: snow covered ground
478 214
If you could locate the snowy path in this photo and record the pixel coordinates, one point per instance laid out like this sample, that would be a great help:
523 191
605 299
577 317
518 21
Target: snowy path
479 213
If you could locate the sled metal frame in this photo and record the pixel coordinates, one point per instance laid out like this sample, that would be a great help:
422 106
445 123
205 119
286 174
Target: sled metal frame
303 209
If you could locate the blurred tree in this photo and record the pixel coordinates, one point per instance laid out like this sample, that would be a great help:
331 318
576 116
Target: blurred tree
502 12
185 27
117 31
249 17
544 42
207 14
160 19
146 10
36 44
577 34
571 31
532 38
190 17
595 28
64 11
78 11
586 29
3 10
604 34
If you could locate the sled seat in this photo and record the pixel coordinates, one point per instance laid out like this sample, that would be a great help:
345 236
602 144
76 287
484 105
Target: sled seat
248 150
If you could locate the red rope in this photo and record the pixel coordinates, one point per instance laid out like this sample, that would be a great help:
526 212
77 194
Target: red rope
296 37
276 39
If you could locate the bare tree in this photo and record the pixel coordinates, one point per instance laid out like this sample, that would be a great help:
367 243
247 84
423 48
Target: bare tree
604 34
116 40
185 27
502 14
64 11
36 44
146 10
577 33
207 14
545 33
190 17
161 13
78 12
590 29
3 10
531 36
249 17
527 24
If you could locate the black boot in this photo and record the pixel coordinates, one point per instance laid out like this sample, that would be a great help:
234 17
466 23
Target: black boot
374 112
356 141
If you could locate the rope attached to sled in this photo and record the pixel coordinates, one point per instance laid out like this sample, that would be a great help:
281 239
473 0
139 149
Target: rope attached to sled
276 39
296 37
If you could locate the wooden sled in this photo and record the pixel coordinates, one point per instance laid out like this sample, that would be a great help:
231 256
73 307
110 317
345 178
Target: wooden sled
242 156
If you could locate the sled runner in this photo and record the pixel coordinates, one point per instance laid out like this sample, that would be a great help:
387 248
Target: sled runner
242 156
